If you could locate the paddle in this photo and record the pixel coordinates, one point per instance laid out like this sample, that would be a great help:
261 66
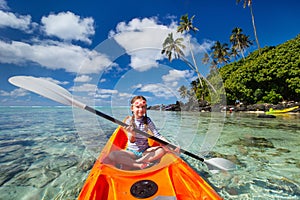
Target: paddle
56 93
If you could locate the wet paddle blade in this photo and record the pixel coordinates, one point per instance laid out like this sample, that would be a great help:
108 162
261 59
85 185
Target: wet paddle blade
220 164
45 88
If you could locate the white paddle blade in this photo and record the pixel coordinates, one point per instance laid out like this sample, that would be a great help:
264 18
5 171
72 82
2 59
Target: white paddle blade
220 164
45 88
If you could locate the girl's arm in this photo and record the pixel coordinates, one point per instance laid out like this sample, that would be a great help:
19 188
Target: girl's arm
130 134
129 130
153 129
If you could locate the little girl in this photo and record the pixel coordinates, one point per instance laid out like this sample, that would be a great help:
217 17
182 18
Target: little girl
138 153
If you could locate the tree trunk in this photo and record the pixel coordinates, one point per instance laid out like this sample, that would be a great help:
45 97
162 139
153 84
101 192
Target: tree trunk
254 28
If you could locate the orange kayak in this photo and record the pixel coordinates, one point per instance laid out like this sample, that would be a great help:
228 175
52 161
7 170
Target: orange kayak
170 179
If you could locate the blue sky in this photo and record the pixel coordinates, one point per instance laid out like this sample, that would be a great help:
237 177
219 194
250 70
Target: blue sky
106 52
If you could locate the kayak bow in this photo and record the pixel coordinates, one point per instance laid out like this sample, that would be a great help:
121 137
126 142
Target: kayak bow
171 178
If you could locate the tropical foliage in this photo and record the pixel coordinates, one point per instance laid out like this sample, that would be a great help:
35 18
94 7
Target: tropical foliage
220 52
267 75
219 55
240 42
271 77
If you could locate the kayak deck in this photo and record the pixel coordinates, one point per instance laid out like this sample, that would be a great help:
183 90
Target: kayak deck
171 178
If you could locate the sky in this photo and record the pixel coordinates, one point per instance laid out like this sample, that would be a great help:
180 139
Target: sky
105 52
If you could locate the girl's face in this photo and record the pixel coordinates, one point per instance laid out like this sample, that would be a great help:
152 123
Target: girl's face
139 108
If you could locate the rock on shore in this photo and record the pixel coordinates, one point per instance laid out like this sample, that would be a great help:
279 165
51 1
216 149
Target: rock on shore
204 106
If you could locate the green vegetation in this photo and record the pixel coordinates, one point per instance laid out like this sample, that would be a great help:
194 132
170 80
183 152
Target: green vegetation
267 75
271 77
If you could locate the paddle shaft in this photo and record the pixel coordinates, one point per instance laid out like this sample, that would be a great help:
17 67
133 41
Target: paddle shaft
56 93
101 114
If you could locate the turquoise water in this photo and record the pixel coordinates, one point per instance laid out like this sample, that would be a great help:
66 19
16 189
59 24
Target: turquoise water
46 152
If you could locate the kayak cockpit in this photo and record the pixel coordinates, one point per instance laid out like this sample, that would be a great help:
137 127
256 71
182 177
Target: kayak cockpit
170 179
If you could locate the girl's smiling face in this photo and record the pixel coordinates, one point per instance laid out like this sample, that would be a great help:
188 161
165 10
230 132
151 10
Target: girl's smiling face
139 108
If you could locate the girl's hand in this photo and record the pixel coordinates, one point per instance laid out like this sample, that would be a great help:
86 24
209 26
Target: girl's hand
170 149
130 129
177 150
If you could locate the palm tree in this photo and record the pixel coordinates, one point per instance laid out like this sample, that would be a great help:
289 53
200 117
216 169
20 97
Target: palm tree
183 91
249 3
174 47
205 59
234 53
220 52
213 66
186 24
245 42
239 41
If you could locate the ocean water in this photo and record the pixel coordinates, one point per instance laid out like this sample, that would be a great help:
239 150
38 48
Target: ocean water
46 152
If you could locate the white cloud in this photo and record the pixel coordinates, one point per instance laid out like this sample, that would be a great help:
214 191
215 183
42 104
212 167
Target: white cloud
206 45
102 80
107 91
168 88
93 90
83 78
125 95
137 86
158 90
87 87
104 93
102 96
68 26
55 55
141 63
19 92
52 54
142 40
175 75
11 20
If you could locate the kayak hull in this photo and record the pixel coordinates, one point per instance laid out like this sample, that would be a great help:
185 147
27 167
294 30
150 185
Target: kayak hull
171 178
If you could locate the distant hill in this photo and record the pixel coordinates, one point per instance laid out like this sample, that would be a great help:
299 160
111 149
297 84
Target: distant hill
271 77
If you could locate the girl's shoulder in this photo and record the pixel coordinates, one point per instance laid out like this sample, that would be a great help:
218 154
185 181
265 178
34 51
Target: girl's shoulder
127 119
148 119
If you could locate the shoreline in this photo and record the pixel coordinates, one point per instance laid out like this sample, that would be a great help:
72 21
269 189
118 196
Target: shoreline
240 107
